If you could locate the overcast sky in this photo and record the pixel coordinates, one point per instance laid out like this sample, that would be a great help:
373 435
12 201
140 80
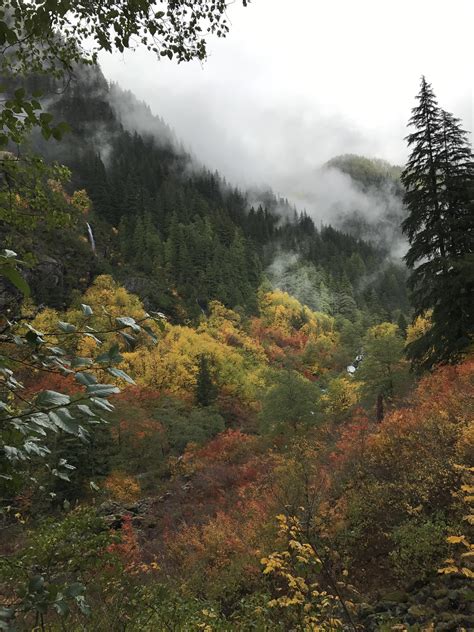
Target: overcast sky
298 82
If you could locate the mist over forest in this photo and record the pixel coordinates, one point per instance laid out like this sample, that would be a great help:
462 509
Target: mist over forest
237 318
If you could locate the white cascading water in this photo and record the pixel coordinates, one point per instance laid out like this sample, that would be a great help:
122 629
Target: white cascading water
91 236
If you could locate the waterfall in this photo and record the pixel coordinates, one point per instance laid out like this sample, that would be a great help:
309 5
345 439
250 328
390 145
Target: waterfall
91 237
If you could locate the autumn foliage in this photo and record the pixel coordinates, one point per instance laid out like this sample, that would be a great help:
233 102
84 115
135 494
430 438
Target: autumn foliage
288 432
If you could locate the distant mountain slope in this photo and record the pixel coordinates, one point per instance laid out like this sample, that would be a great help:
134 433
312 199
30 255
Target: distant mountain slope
375 210
368 173
180 236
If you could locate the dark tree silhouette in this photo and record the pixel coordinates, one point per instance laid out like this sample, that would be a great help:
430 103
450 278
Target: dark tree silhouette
206 390
438 179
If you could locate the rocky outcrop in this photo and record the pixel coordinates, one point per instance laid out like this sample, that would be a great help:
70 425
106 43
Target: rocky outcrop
114 513
439 606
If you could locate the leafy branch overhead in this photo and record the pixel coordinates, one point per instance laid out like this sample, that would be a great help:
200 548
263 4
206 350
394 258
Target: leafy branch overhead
31 420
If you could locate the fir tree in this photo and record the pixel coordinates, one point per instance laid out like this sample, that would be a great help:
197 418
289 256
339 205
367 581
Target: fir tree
206 390
438 179
402 324
420 177
458 168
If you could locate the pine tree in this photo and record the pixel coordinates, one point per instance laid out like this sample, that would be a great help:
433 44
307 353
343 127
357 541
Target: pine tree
458 167
423 187
206 390
438 180
402 324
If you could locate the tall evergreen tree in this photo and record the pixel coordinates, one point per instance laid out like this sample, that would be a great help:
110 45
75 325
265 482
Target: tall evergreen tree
438 180
206 390
458 166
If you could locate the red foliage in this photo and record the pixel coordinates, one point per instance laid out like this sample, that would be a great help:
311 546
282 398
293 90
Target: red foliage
48 381
442 399
135 430
231 446
352 439
276 341
237 414
139 395
127 549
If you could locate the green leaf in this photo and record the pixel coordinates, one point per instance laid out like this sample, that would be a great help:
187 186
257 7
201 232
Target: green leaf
61 475
33 337
20 94
102 403
112 356
36 583
40 419
130 340
85 410
78 362
52 398
83 606
120 374
150 333
74 590
85 378
45 118
61 607
16 279
32 448
68 425
102 390
12 453
127 321
57 351
94 338
66 327
62 128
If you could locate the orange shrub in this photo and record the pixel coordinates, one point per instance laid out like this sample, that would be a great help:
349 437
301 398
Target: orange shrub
122 487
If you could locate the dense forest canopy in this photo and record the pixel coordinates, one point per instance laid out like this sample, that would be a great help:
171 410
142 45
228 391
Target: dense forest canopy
217 412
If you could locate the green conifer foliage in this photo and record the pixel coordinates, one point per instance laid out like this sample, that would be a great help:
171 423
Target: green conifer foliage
206 390
438 179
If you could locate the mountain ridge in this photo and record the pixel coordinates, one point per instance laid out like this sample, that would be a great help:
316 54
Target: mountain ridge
180 235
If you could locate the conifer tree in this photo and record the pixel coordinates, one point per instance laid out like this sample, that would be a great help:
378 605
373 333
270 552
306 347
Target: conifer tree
438 180
402 324
458 167
206 390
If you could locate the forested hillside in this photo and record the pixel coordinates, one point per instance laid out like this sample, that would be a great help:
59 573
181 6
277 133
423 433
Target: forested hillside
216 412
180 236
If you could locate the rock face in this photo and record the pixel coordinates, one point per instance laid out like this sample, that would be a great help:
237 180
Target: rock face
441 605
48 272
114 512
46 277
10 298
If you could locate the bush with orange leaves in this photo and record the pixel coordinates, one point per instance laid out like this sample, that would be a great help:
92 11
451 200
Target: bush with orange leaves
217 516
220 559
402 474
231 446
140 439
127 547
47 380
122 487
